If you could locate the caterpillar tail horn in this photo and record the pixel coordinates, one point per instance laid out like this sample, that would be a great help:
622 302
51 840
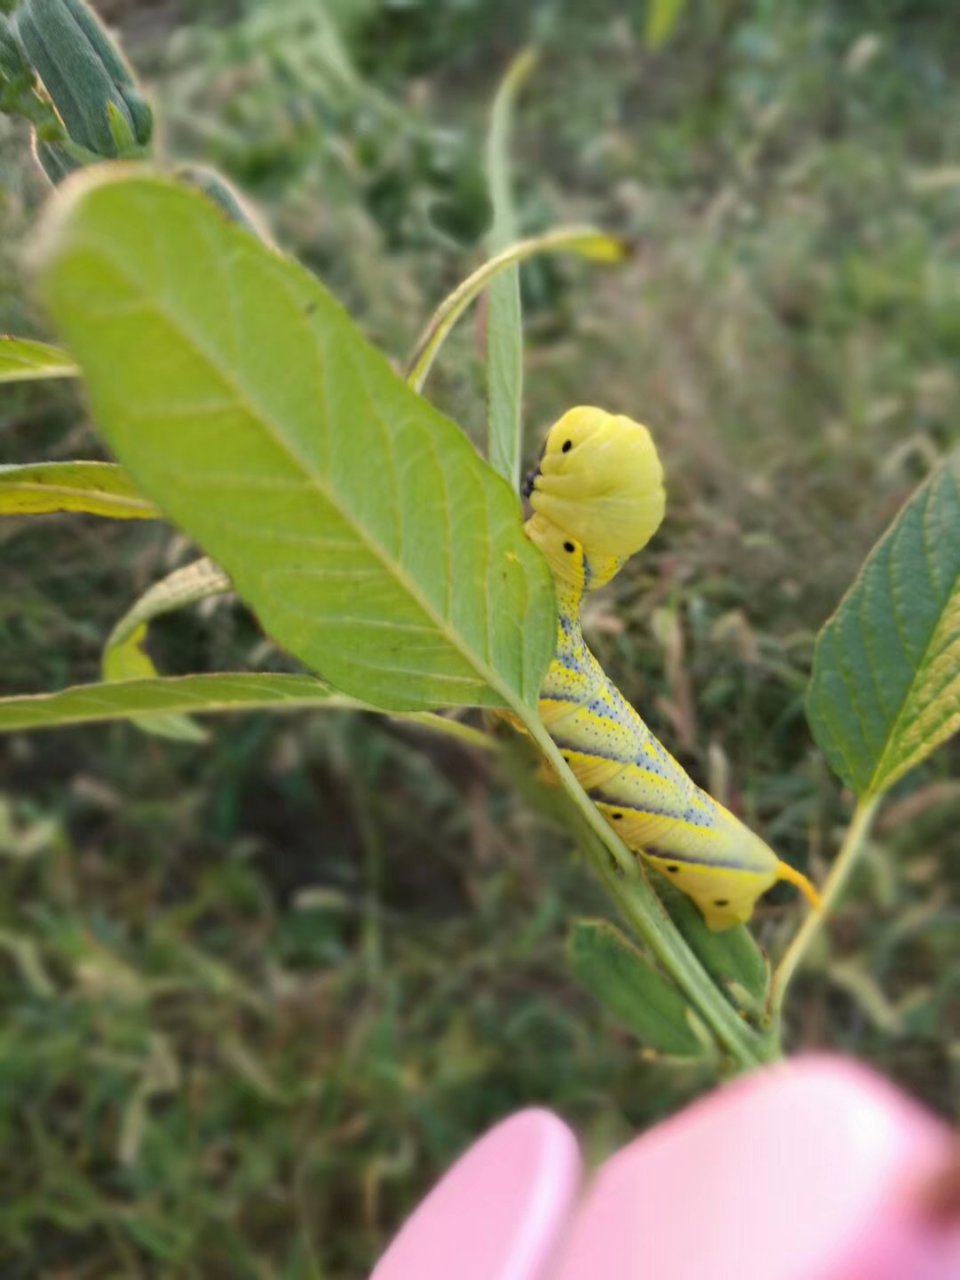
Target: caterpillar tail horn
806 887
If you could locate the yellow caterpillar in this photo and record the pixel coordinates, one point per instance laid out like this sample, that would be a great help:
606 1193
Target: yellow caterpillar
597 497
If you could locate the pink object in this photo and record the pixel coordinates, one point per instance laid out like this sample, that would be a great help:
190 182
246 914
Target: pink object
499 1212
812 1170
799 1172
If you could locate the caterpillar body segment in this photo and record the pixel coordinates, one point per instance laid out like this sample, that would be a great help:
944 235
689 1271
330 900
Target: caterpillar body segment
636 784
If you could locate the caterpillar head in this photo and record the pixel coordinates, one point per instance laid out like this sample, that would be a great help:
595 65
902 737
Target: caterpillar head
599 484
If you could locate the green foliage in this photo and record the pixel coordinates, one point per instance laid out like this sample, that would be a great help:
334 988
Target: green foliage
587 242
504 328
135 698
204 1065
97 488
228 356
22 360
18 86
342 979
185 586
634 991
86 78
125 656
886 681
662 18
731 957
423 590
59 159
138 112
131 662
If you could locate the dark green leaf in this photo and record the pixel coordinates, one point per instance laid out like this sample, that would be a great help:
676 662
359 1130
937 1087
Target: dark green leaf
886 674
731 956
626 982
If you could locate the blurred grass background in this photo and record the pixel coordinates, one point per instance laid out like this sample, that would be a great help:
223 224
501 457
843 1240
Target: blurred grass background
255 995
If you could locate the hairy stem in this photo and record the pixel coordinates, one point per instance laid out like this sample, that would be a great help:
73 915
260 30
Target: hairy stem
621 875
833 886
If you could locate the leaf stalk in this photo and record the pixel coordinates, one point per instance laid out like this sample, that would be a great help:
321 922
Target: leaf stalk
853 843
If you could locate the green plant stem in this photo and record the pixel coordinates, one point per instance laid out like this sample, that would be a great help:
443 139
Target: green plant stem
504 323
833 886
588 242
620 872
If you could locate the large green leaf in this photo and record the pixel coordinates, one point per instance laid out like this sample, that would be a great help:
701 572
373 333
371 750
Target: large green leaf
626 982
357 520
886 675
98 488
23 360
